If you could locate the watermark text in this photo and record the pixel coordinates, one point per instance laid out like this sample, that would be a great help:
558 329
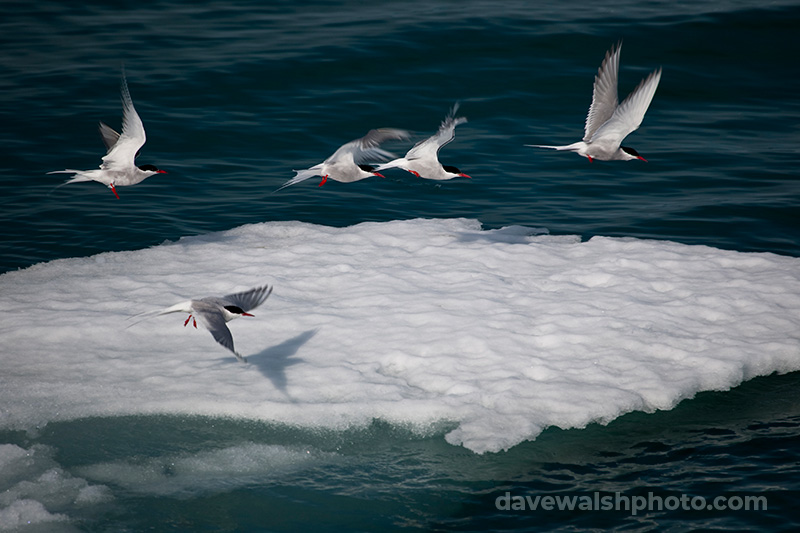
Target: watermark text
617 501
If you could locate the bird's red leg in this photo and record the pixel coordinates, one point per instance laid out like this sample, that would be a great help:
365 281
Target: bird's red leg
415 173
589 158
187 321
113 190
324 179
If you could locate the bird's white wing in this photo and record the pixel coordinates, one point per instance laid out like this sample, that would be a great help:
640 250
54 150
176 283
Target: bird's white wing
447 131
371 155
215 323
360 150
248 300
374 138
604 95
122 154
631 111
110 136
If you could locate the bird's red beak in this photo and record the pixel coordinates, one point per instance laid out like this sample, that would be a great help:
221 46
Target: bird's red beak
161 171
642 159
247 314
465 176
379 175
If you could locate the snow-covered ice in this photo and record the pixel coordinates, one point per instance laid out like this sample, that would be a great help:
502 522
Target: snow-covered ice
494 334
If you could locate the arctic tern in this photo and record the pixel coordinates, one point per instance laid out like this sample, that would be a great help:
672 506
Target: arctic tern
118 167
608 123
347 164
423 159
214 312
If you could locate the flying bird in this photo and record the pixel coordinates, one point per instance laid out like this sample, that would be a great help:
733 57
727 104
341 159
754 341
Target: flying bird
608 123
118 167
347 164
423 159
215 312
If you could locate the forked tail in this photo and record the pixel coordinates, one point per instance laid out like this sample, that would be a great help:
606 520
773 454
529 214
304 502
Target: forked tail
395 163
301 175
574 147
183 307
77 178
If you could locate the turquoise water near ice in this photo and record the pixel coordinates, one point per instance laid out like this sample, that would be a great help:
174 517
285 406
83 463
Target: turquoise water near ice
234 95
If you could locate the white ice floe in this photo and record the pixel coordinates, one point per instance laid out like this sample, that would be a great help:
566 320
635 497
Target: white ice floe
495 335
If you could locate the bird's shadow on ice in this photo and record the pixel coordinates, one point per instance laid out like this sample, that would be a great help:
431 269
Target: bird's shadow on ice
507 234
274 361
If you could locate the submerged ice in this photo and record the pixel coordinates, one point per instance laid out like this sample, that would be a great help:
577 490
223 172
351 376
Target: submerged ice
34 489
495 335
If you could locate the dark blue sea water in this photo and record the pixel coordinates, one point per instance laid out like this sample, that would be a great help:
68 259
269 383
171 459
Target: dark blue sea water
236 94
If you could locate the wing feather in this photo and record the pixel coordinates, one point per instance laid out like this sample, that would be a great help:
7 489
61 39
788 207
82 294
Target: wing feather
215 323
110 136
629 115
604 95
447 132
251 299
122 154
367 146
